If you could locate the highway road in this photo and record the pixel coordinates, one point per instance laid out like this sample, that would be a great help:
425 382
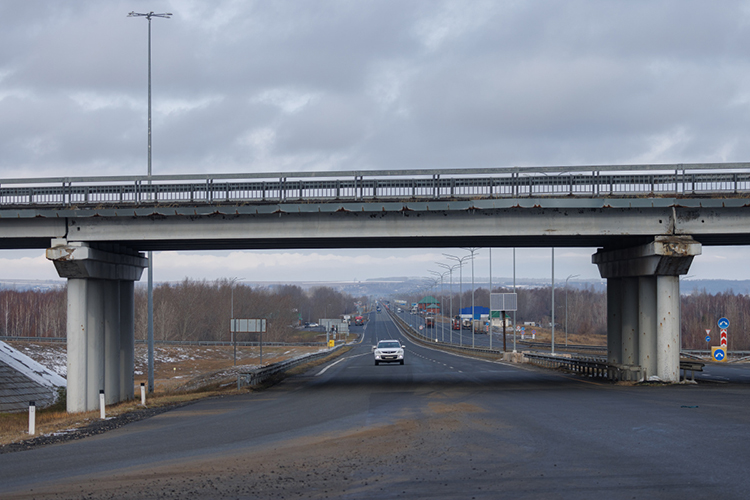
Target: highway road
440 426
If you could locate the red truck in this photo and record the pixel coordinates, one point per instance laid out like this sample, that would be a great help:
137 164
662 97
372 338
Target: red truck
359 320
429 321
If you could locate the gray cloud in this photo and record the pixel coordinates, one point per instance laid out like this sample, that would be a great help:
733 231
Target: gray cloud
381 84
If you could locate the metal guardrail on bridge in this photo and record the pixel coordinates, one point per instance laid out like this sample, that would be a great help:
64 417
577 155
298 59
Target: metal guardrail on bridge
673 180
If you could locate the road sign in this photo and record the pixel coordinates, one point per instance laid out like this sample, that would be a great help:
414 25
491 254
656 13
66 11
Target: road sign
503 302
708 339
723 331
719 354
723 323
708 331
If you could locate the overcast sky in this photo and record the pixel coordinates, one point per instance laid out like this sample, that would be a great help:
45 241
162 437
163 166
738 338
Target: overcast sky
246 86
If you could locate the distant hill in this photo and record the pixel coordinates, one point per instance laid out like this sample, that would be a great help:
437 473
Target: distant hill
715 286
401 284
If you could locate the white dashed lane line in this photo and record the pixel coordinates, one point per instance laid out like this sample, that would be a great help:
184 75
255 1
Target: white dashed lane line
434 361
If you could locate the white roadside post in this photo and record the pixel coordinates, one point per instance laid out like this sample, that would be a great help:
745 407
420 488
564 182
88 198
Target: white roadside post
101 404
143 393
32 418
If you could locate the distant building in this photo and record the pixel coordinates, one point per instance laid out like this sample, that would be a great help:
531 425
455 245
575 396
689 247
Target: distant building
429 304
480 312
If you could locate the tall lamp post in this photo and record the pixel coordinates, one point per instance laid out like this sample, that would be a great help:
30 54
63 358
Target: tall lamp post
450 290
442 302
472 250
148 16
566 306
233 282
460 292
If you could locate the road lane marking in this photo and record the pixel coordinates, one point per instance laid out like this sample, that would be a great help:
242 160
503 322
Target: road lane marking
321 372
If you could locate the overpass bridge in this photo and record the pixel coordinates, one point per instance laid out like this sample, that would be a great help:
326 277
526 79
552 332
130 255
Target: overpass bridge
649 222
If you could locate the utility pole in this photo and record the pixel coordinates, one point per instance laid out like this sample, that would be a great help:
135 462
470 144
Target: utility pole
148 16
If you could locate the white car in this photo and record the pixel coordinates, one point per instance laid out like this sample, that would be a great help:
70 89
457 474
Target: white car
388 351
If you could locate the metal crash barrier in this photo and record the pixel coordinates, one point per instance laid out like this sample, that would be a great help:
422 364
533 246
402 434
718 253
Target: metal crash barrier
260 375
588 367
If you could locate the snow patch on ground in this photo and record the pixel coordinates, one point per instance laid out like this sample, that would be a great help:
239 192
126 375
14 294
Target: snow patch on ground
30 368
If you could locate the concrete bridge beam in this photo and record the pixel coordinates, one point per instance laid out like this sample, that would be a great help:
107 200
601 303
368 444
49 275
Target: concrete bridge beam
643 303
100 320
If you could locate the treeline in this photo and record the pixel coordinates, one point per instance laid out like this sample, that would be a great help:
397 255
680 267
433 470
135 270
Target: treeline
200 310
32 313
701 311
587 308
189 310
587 312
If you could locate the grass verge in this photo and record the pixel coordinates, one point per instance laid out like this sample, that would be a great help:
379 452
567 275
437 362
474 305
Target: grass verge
55 420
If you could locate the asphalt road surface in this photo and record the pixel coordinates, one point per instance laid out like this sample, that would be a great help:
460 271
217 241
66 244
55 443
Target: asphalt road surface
440 426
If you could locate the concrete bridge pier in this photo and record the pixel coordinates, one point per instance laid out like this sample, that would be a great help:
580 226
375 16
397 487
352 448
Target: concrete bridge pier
643 303
100 327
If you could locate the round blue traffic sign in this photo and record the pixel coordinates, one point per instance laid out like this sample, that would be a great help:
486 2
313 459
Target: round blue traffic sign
708 339
723 323
719 355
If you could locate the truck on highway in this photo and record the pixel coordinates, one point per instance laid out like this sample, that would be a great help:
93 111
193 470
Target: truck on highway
429 321
359 320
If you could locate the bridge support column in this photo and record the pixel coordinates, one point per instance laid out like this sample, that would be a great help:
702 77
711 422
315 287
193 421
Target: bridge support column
643 292
614 320
629 312
127 339
647 325
100 320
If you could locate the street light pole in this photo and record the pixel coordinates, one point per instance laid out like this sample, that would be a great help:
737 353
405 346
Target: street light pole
231 319
514 291
442 302
472 250
148 16
450 290
460 292
553 301
566 306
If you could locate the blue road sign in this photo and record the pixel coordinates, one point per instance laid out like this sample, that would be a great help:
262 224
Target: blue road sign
723 323
708 339
719 355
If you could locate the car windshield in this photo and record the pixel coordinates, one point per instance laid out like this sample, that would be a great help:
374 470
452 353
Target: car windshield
390 344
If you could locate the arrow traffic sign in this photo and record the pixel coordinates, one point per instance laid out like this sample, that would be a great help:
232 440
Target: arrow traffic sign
718 353
723 323
708 339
